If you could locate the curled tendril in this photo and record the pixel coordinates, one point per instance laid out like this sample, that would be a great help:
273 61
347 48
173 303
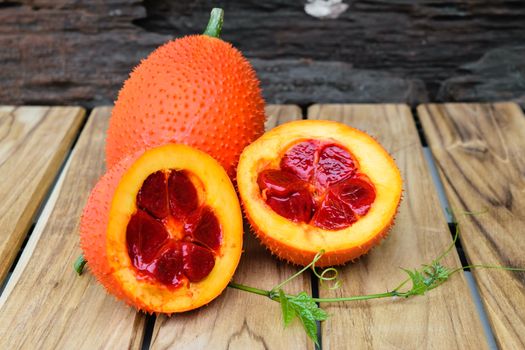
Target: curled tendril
336 281
316 258
310 265
427 277
325 276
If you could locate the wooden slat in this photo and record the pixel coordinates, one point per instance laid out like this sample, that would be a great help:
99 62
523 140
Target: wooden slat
33 144
444 318
236 319
480 153
45 304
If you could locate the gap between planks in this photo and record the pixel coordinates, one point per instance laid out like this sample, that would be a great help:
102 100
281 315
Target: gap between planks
43 203
237 319
38 229
66 311
445 206
34 142
479 155
441 318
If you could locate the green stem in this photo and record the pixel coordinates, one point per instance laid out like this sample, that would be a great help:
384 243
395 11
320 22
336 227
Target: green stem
452 245
79 264
401 285
215 24
290 278
357 297
481 266
269 294
317 257
253 290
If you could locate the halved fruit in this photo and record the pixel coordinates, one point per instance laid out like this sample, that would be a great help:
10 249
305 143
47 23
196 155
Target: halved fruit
308 186
162 230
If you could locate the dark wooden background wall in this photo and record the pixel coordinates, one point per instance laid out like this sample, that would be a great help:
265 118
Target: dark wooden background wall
80 51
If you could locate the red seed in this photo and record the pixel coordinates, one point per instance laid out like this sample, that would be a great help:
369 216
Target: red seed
204 228
182 194
333 213
198 261
299 160
296 206
144 237
153 195
278 182
358 193
169 266
335 164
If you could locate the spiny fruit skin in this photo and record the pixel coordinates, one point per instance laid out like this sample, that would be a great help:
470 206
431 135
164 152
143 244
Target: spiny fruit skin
196 90
108 211
299 242
93 226
304 257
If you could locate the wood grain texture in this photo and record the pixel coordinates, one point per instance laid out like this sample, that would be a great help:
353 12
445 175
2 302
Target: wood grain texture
445 318
33 144
480 153
45 304
237 319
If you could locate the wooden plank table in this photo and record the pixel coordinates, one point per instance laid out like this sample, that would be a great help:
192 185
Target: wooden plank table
438 320
33 144
479 154
240 320
45 305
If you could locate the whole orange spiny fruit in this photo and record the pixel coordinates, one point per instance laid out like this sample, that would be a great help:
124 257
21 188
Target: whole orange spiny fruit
197 90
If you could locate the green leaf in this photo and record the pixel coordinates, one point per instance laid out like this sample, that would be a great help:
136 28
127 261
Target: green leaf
442 273
307 302
425 279
287 309
419 286
309 324
308 312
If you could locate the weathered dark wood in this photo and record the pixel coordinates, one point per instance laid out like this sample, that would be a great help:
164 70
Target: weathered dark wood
500 73
307 81
376 51
70 52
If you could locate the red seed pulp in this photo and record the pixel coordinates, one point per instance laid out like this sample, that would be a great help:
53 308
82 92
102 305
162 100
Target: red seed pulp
318 183
300 159
153 195
165 197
